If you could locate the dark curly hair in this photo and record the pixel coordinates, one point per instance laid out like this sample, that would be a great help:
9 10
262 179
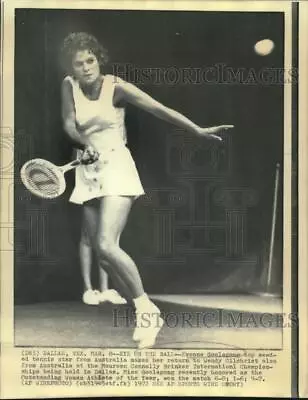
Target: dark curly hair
77 41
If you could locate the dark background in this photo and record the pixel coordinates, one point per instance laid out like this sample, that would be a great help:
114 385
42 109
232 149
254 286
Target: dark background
179 233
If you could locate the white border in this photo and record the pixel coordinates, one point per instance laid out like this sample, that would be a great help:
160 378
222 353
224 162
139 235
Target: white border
303 201
281 384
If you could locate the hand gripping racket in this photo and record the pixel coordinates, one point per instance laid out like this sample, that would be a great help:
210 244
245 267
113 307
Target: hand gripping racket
45 179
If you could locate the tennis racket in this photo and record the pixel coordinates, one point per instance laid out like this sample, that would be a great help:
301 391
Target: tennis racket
45 179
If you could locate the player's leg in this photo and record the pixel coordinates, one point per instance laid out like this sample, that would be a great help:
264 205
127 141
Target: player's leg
114 212
112 295
87 243
88 232
85 255
103 279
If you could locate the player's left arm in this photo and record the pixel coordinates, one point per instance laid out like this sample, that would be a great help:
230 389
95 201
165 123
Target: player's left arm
129 93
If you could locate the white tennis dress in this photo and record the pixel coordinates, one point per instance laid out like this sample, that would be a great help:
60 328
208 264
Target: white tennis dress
114 173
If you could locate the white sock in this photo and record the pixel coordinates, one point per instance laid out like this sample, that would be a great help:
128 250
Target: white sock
141 301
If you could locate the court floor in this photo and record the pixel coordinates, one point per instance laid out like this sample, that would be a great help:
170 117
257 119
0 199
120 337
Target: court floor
191 321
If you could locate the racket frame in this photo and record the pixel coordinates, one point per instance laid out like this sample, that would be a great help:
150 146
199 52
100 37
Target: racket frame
59 171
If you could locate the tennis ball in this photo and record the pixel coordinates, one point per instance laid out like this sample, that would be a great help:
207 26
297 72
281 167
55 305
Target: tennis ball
264 47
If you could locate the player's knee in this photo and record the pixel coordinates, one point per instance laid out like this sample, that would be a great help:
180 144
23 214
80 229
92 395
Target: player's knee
105 248
85 240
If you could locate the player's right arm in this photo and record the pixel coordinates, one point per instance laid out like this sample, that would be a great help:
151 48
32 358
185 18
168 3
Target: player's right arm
69 116
69 124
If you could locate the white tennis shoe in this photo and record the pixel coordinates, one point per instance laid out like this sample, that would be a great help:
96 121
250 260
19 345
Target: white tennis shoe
95 297
91 297
149 335
112 296
148 325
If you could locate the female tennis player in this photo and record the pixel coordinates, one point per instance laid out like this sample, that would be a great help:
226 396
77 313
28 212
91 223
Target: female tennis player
92 296
107 183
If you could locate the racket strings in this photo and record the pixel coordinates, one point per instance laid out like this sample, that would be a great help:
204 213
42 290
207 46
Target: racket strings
41 178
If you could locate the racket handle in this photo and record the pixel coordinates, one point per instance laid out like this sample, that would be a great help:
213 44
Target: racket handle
70 165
